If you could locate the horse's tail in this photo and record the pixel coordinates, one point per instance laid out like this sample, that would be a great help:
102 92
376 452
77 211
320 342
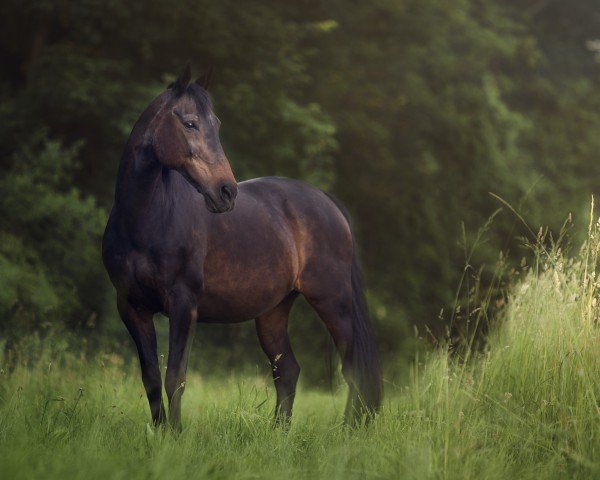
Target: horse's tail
366 374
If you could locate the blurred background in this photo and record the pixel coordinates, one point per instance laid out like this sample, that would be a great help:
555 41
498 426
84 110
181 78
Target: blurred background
410 111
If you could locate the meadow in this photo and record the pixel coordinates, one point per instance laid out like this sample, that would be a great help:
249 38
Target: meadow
524 406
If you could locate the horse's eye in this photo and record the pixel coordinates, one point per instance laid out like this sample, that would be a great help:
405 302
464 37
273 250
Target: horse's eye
190 125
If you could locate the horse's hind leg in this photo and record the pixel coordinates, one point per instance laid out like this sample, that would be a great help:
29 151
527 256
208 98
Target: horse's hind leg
336 313
141 328
274 340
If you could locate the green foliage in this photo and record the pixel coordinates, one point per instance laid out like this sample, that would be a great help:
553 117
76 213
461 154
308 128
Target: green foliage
50 234
437 104
411 112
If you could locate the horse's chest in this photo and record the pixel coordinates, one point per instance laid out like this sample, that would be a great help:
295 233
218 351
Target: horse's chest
151 277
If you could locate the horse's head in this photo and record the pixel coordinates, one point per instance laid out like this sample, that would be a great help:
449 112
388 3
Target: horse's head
185 137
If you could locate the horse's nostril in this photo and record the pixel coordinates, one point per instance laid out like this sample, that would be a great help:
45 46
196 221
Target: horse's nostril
226 193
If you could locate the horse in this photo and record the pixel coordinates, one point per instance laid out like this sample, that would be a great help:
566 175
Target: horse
185 239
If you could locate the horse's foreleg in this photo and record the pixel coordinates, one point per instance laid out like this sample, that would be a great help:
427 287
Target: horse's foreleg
141 328
274 339
182 323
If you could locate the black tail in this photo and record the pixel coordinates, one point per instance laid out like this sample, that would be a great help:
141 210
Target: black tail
366 369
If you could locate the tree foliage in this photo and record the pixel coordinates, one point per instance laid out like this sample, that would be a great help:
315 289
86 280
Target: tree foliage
411 112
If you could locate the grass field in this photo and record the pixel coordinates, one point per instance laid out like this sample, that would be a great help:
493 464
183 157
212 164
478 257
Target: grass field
527 407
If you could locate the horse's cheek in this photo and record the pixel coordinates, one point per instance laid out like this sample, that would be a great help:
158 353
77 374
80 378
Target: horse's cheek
196 146
168 145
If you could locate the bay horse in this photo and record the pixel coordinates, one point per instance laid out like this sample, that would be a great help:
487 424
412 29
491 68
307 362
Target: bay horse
175 244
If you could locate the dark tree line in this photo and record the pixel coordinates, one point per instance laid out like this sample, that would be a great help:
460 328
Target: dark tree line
411 112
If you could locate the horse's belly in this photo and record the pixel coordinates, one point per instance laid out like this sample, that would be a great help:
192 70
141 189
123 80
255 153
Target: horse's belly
247 271
242 301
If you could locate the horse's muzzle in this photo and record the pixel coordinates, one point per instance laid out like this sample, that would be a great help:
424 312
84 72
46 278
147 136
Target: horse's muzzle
227 194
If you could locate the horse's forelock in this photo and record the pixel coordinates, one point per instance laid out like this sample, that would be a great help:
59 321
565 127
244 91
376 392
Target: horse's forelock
201 97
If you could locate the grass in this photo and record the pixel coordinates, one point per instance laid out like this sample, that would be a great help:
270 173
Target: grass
526 407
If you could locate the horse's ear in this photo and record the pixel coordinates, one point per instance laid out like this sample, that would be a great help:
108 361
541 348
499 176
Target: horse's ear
182 82
205 79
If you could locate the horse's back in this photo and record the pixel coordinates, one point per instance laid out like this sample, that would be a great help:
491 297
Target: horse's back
310 213
321 233
298 197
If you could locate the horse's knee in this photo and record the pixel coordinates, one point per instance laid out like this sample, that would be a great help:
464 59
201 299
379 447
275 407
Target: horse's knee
286 371
174 384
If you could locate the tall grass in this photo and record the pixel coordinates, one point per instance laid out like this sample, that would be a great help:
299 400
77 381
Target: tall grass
527 406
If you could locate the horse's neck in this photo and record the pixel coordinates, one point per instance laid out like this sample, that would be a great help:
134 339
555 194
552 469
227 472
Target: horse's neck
145 197
148 198
138 179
